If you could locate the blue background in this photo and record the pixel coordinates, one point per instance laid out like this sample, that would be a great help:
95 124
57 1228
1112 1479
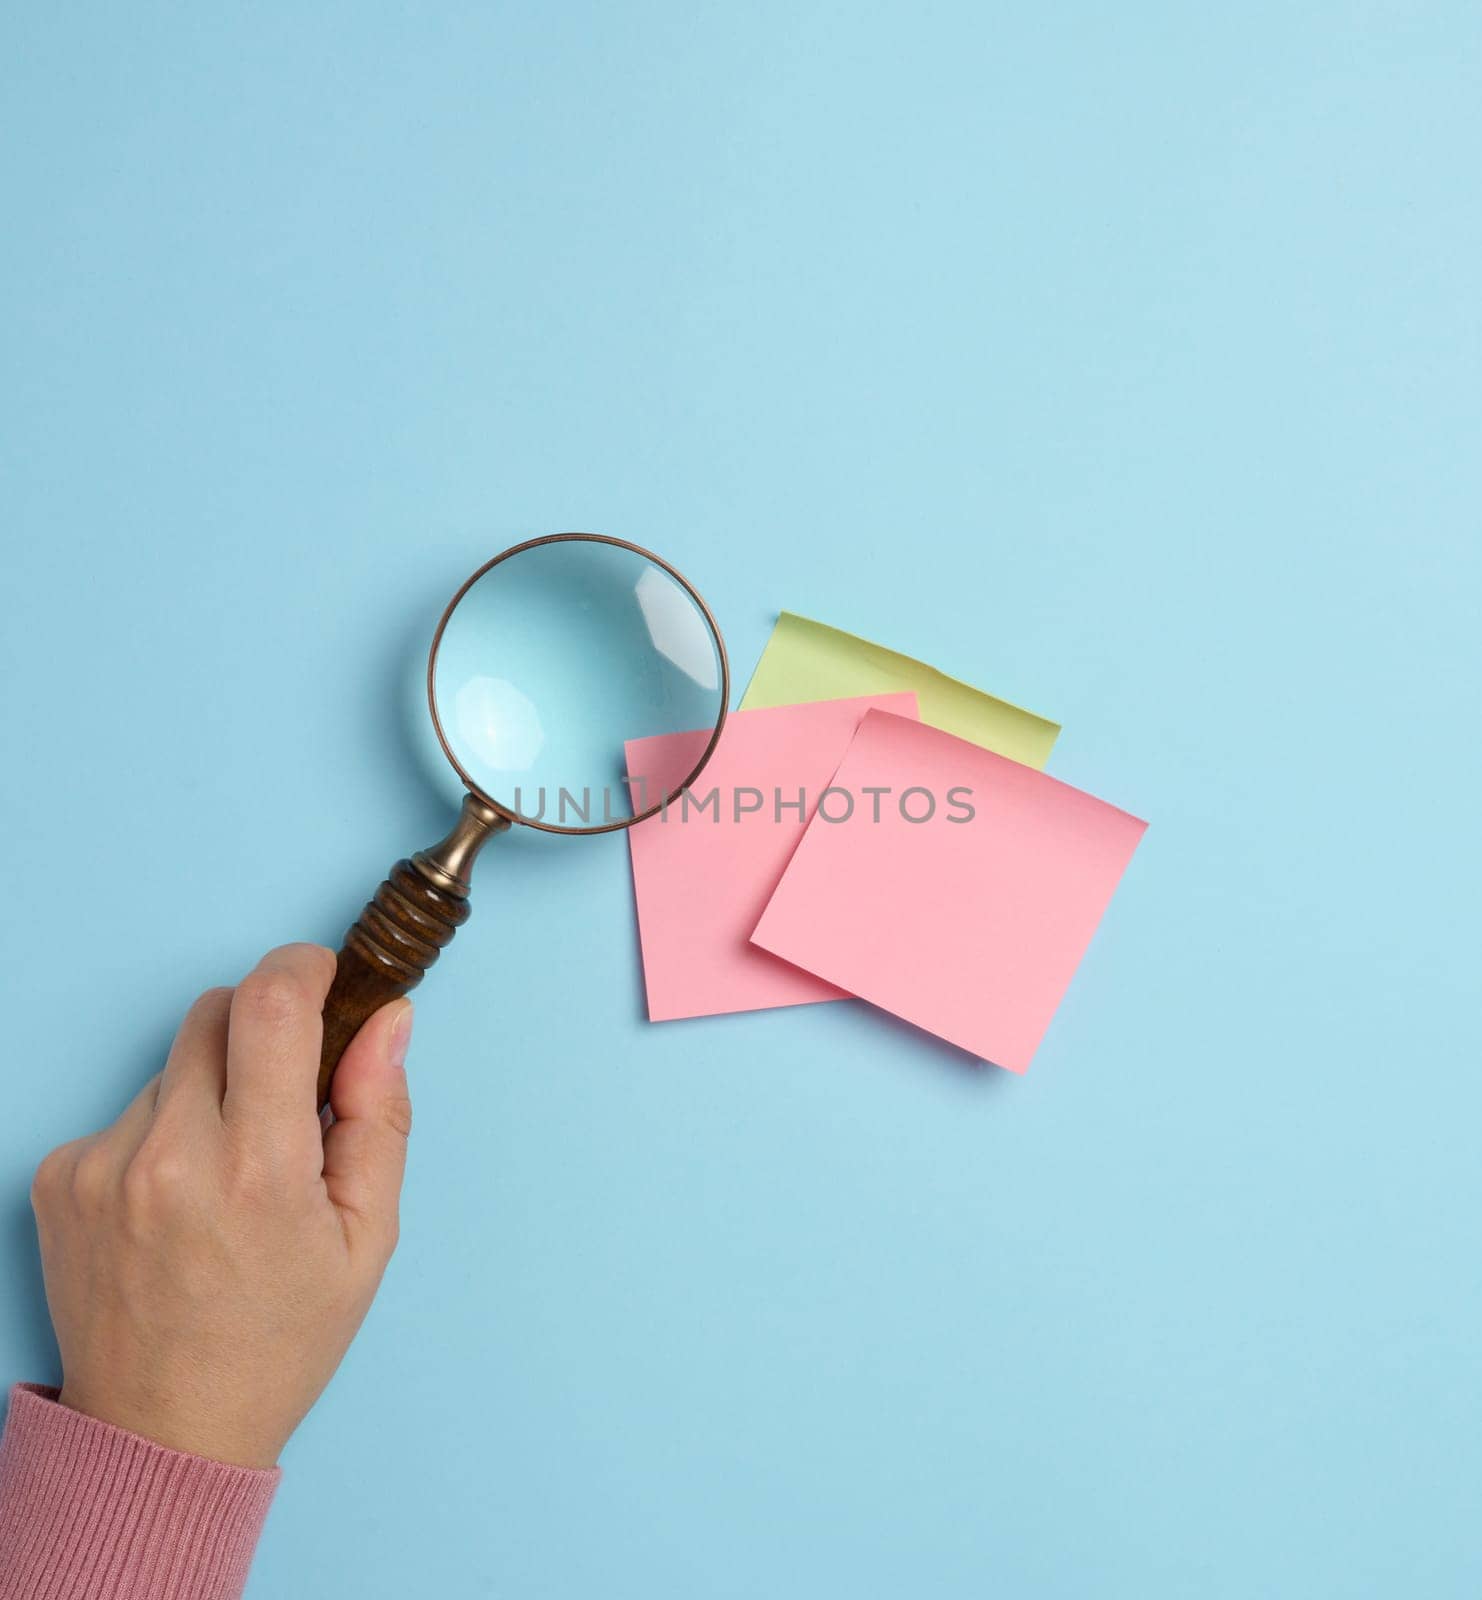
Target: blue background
1122 360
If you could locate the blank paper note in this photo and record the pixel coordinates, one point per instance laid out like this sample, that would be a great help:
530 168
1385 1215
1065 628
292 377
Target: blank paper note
970 926
807 660
704 869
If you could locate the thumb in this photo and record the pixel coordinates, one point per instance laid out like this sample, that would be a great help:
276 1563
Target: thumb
365 1148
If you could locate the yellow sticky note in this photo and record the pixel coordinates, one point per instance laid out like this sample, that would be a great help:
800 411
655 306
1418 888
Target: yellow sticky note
807 660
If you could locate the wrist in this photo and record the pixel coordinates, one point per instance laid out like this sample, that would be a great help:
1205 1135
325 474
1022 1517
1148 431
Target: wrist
187 1427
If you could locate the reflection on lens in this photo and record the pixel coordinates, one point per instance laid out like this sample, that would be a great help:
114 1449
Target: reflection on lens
555 656
498 724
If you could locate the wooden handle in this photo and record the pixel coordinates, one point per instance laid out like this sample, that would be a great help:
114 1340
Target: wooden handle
401 932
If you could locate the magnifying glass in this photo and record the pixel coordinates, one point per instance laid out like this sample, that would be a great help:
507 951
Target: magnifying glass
546 660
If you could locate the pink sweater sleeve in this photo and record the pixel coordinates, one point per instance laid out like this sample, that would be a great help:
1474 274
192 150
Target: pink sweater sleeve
91 1512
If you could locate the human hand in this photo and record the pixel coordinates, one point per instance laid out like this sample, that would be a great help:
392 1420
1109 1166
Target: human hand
210 1256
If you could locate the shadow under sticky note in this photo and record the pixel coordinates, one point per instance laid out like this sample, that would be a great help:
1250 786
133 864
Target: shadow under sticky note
971 928
704 869
807 660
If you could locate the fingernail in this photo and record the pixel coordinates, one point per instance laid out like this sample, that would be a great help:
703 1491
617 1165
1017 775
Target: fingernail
401 1035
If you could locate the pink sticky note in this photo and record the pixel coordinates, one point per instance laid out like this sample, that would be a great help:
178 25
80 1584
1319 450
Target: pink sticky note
702 872
970 928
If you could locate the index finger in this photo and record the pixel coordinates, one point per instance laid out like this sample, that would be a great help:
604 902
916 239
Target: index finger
273 1038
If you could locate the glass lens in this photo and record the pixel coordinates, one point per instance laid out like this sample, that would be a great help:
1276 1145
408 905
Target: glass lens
553 658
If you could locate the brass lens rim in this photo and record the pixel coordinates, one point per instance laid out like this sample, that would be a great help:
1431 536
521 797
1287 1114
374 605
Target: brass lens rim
689 589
